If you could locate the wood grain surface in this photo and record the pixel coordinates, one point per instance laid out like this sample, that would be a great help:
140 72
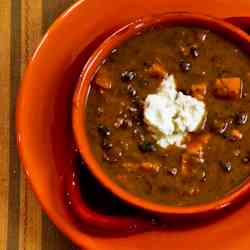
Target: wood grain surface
23 225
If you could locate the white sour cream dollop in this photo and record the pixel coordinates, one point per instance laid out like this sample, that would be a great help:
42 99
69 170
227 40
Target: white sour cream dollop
170 114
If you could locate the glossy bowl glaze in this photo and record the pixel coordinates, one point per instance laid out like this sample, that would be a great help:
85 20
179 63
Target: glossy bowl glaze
81 95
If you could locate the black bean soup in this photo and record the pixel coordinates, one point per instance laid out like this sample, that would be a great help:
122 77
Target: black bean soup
217 156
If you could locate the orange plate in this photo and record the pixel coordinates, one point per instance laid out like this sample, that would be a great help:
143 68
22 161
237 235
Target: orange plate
43 120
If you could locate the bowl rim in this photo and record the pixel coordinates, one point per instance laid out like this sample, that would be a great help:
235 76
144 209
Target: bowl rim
81 96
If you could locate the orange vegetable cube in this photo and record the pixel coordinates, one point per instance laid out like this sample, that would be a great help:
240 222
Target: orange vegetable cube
102 79
197 143
130 167
199 91
157 70
228 88
195 148
150 166
185 168
235 135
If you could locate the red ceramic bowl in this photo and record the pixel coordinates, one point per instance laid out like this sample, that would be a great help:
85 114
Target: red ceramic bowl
81 95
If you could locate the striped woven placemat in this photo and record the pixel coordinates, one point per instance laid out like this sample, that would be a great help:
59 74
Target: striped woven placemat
23 226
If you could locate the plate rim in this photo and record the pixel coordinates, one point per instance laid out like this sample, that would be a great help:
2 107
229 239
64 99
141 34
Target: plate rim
82 240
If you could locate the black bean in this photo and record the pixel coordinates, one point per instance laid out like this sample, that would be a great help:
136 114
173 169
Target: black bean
99 111
203 36
146 64
125 115
138 119
241 118
127 123
194 51
123 123
114 51
185 66
109 158
127 76
133 109
141 137
245 160
203 179
173 171
112 155
131 90
219 125
138 134
103 130
226 166
203 176
231 136
138 103
106 145
147 147
184 91
226 135
119 122
236 152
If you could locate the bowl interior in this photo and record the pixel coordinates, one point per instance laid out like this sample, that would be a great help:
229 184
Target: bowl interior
81 95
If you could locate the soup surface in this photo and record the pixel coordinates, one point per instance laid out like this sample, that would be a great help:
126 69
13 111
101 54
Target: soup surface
213 158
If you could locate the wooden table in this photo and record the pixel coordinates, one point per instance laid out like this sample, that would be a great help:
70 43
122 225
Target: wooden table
23 226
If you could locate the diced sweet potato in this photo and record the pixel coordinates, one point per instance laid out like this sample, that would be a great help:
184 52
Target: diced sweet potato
184 165
194 149
157 70
102 79
144 166
130 167
228 88
199 90
197 143
150 166
234 135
